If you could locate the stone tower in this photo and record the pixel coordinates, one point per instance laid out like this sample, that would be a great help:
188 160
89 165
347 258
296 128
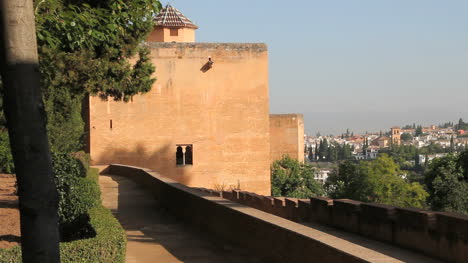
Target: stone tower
172 26
396 135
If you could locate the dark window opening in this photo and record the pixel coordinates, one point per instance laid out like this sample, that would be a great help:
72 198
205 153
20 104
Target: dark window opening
110 124
188 156
179 156
184 154
174 32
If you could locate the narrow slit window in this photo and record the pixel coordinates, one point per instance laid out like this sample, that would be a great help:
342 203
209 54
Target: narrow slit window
110 124
188 156
179 156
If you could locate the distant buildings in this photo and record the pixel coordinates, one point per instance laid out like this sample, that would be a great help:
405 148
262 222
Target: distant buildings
321 175
367 146
381 142
427 158
396 135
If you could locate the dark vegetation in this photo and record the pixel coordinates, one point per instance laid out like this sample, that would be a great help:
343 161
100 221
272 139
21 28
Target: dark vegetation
84 50
293 179
441 185
101 238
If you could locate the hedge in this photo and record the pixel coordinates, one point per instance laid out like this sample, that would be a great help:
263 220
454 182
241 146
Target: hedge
107 246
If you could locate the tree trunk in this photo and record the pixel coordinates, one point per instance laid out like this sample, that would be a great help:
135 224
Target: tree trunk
24 110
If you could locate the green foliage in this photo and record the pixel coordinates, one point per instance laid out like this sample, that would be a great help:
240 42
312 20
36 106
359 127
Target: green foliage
461 125
65 126
432 148
349 182
85 46
6 158
334 151
406 137
447 183
377 181
418 131
108 244
290 178
402 154
77 192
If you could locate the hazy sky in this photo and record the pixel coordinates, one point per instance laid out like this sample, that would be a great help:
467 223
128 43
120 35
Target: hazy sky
358 64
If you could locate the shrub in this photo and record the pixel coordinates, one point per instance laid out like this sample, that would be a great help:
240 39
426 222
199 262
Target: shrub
77 193
108 244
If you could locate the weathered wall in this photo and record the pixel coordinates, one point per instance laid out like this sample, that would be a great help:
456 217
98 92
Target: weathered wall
287 136
436 234
163 34
273 238
223 111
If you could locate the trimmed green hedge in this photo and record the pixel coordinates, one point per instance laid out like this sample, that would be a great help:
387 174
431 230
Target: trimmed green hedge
78 191
108 246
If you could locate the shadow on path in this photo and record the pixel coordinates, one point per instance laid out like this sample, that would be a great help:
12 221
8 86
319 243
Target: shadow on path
156 236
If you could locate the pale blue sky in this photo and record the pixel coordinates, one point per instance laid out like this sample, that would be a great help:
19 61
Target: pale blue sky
358 64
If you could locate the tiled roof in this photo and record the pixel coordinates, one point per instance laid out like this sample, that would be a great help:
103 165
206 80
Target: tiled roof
171 17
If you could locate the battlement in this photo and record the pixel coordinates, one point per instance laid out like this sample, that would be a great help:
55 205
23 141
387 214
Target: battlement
437 234
202 50
276 239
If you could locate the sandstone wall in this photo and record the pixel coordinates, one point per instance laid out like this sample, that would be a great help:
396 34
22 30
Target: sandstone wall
287 136
163 34
436 234
223 111
272 238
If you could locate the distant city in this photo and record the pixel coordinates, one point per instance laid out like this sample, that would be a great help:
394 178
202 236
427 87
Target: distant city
427 142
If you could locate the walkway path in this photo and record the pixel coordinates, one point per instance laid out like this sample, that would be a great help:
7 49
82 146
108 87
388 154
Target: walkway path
156 237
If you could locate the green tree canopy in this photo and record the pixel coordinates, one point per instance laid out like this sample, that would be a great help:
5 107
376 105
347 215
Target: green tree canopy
418 131
377 181
86 46
90 47
447 183
406 137
290 178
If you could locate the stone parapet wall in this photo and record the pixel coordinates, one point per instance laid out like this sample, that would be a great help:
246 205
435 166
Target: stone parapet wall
436 234
274 239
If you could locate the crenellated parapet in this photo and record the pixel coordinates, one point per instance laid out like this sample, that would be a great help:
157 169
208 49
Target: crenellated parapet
437 234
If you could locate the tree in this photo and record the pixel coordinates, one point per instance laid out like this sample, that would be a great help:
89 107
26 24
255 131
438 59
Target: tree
377 181
462 125
24 111
406 137
452 144
85 48
311 154
348 182
447 183
290 178
316 151
418 131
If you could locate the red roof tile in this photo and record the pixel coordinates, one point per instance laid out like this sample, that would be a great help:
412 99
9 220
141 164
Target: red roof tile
171 17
